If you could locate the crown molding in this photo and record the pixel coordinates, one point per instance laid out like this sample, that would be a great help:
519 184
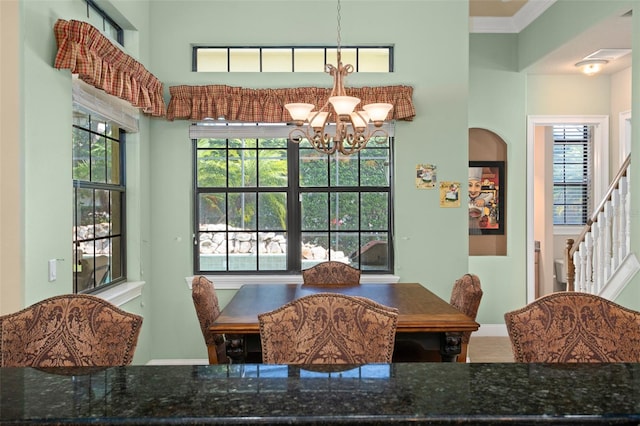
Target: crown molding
525 16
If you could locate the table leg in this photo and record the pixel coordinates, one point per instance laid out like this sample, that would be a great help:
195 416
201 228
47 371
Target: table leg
450 346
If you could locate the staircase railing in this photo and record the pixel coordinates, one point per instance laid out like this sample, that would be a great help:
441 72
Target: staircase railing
604 242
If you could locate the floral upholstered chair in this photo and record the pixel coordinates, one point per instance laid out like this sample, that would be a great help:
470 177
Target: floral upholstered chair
75 330
328 328
574 327
465 297
331 273
205 301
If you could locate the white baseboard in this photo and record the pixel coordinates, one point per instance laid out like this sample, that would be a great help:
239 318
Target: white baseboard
491 330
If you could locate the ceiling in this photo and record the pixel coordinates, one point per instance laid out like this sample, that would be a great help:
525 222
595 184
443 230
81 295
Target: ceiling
512 16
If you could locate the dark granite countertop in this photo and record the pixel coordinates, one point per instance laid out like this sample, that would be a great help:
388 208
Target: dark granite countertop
413 393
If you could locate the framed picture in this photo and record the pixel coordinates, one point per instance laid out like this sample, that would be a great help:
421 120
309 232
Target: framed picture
486 197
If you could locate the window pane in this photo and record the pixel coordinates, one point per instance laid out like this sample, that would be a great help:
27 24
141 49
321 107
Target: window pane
272 251
242 211
213 251
315 248
344 211
374 167
113 162
212 168
373 60
349 56
98 165
313 209
212 60
313 168
115 214
273 168
273 211
117 270
212 211
242 168
343 244
243 256
81 156
344 170
102 213
308 60
277 60
375 211
244 60
373 254
211 143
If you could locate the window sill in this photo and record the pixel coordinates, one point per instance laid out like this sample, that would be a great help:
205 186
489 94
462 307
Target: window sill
234 282
567 229
122 293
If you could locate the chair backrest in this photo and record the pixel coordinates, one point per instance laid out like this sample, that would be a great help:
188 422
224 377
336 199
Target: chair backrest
465 297
328 328
205 301
74 330
574 327
331 273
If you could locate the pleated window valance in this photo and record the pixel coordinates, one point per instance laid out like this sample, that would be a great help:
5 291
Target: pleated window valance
267 105
97 61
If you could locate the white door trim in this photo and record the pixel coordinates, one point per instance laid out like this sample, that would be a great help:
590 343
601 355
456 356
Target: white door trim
601 172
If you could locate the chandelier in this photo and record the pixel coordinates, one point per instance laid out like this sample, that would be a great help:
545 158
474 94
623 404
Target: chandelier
352 128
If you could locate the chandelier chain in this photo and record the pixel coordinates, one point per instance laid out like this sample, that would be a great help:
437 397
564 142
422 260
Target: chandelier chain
339 39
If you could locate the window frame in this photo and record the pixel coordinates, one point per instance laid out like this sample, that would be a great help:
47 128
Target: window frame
120 189
294 191
326 51
585 185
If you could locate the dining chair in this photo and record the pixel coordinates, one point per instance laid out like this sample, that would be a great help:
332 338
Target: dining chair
569 326
220 349
72 330
331 272
328 328
465 297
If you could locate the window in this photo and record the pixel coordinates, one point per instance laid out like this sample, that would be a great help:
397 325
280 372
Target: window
99 201
264 204
99 19
289 59
571 174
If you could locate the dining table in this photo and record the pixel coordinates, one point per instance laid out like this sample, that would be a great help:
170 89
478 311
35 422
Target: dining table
426 325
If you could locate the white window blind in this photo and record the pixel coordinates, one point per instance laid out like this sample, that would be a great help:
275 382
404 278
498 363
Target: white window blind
572 174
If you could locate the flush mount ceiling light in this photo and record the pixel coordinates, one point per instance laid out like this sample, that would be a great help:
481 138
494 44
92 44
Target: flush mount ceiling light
591 66
352 130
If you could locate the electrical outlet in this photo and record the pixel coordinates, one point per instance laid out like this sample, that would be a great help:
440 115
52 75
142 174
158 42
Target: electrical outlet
53 266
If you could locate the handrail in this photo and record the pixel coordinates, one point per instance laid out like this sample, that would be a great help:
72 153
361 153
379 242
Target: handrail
622 172
573 245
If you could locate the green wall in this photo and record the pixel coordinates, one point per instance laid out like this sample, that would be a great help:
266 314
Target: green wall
459 81
431 243
46 180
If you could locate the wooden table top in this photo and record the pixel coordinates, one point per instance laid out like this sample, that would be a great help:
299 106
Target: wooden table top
420 310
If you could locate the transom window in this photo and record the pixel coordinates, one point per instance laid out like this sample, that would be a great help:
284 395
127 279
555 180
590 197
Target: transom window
102 21
265 204
571 174
289 58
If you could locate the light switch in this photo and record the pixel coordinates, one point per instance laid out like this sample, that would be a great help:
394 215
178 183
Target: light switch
53 272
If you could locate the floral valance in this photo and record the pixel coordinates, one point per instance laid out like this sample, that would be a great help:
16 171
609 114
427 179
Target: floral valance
267 105
97 61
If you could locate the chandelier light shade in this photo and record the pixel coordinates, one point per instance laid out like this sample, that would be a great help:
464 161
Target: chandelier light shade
352 126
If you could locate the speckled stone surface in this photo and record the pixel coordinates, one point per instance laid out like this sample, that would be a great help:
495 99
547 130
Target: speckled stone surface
412 393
